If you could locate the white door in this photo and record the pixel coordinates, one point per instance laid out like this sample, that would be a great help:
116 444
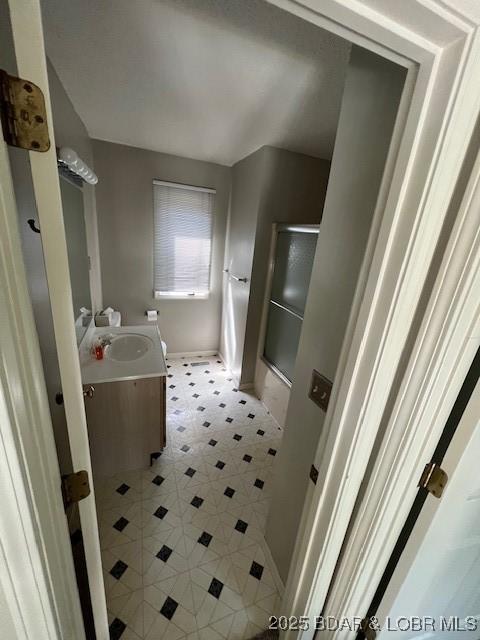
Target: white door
28 47
438 576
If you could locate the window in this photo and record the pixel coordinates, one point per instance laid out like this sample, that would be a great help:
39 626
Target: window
294 253
183 223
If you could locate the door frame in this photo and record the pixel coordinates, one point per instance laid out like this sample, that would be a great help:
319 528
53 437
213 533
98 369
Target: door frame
439 44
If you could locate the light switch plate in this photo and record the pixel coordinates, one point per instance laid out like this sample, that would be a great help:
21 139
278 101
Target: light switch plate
320 390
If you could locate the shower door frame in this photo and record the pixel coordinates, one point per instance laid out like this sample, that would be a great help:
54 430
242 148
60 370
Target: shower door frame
277 227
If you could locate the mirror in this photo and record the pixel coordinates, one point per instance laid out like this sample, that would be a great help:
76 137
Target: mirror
78 260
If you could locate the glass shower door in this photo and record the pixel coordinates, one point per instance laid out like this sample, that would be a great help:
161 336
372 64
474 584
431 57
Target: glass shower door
293 261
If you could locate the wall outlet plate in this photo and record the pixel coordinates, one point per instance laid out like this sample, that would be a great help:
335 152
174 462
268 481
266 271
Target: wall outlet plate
320 390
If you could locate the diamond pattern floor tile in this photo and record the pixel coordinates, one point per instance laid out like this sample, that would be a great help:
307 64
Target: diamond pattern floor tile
182 540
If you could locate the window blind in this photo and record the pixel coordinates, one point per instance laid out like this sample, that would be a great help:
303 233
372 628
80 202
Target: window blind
183 223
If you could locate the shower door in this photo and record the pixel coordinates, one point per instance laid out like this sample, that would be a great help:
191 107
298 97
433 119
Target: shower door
293 261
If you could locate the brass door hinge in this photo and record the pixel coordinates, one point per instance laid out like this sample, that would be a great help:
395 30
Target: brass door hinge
433 479
22 109
75 487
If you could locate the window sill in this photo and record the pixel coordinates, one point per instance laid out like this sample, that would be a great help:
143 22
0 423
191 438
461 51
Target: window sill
159 295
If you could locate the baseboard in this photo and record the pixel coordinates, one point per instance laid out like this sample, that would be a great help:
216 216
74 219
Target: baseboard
279 426
192 354
235 381
273 567
241 387
220 356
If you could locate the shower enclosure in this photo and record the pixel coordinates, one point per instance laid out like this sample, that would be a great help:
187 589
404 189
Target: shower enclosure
293 254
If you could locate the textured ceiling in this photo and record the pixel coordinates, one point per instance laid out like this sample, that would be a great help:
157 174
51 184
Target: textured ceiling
207 79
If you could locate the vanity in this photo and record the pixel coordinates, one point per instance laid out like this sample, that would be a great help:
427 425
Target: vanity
125 398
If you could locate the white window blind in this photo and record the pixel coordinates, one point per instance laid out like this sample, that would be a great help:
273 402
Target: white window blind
183 223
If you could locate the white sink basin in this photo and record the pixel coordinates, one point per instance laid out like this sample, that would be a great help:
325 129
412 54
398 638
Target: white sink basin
128 346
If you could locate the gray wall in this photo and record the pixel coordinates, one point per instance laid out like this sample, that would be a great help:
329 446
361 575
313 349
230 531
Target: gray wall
69 128
125 223
293 190
247 181
369 107
271 185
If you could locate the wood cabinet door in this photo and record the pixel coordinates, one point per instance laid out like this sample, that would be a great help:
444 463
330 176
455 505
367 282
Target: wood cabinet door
126 423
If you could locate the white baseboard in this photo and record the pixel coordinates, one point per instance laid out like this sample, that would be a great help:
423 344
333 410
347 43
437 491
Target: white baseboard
192 354
273 567
220 355
246 386
272 416
241 387
235 381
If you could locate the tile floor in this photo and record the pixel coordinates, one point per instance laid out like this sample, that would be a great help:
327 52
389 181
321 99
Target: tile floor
182 541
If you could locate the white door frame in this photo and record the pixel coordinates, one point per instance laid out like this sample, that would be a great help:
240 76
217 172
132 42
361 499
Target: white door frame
440 47
444 348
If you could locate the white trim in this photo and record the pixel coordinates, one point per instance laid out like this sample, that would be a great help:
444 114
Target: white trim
180 295
444 350
273 567
191 354
245 386
190 187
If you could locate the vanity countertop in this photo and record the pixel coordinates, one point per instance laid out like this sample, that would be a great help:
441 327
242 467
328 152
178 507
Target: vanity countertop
150 365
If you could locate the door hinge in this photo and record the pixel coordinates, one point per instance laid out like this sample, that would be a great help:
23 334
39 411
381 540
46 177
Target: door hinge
22 109
75 487
433 479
